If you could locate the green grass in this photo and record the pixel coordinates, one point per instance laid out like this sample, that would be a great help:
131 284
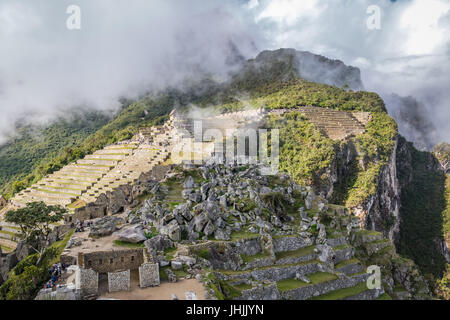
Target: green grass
343 293
169 253
6 249
364 232
57 192
315 278
297 253
8 232
240 235
252 258
243 286
384 296
128 244
346 263
232 272
341 247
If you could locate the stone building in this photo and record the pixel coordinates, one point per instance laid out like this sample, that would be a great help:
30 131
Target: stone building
111 270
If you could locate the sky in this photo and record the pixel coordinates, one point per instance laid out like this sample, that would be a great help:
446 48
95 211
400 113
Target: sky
126 47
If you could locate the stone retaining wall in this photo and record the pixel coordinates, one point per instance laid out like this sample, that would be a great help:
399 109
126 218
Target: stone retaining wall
290 243
119 281
315 290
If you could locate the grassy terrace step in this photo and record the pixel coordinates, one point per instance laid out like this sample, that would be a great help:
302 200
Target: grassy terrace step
119 147
343 293
240 272
106 157
239 235
98 162
75 184
41 197
8 243
297 253
384 296
89 165
64 190
6 249
248 259
57 192
341 247
87 177
346 263
8 232
7 235
368 236
315 278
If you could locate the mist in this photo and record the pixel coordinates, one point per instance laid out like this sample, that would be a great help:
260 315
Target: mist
409 56
122 50
126 48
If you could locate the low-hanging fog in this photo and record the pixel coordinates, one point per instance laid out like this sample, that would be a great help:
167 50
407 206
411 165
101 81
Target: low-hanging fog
127 47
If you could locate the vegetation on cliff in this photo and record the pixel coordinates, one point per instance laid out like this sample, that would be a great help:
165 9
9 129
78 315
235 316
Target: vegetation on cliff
30 274
304 152
422 206
374 147
33 145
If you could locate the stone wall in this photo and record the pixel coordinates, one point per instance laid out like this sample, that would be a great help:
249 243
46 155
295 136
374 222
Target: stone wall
113 260
314 290
116 201
149 275
119 281
86 281
290 243
261 292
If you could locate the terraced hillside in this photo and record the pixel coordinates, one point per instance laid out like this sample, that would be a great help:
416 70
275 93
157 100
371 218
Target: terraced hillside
334 124
82 182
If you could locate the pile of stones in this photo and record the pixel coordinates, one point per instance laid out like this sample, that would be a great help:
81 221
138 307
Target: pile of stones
224 199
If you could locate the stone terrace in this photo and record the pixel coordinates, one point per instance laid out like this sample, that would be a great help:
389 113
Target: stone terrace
335 124
102 171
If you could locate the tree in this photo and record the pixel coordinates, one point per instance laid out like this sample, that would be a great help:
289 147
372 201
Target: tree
35 222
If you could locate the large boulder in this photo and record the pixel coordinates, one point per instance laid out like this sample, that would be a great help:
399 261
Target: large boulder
172 230
189 183
104 226
133 234
159 243
200 221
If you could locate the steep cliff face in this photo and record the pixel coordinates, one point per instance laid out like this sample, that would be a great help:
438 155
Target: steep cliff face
380 211
422 183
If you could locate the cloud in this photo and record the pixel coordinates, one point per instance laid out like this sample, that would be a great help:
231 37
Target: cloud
409 56
125 48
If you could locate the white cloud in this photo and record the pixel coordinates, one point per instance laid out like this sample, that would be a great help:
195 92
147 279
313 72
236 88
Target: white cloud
410 55
129 46
421 21
290 11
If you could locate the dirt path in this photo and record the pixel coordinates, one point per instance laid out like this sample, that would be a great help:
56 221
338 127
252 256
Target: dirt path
163 292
